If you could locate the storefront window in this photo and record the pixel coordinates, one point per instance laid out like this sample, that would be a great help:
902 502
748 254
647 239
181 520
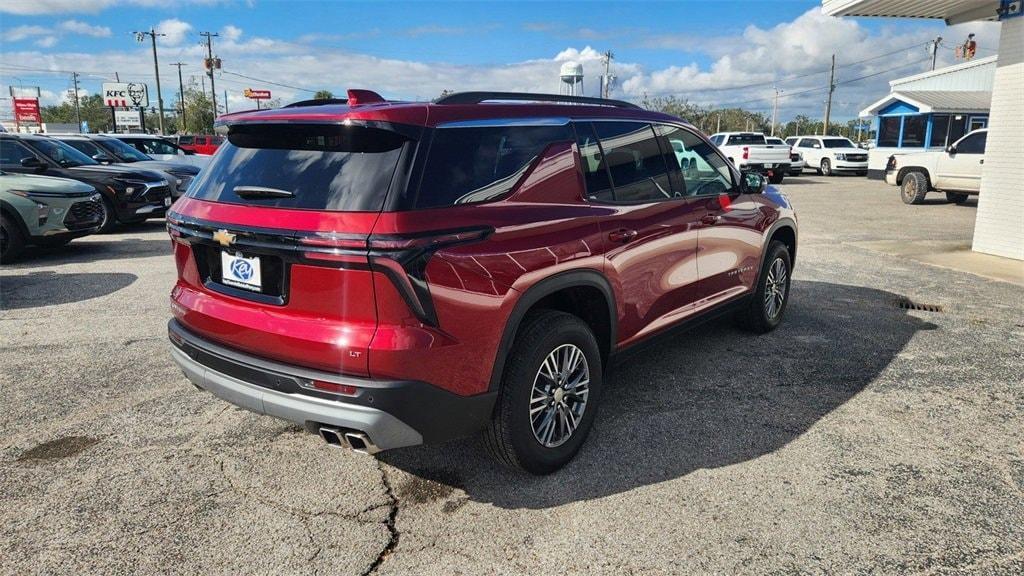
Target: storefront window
913 131
889 131
940 125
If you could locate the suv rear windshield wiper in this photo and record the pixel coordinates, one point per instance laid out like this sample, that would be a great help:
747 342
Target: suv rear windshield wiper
253 192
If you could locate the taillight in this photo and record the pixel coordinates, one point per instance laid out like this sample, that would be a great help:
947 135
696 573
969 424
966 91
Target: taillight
401 257
746 152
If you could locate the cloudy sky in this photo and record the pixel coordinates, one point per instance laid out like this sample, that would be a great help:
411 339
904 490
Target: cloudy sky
710 52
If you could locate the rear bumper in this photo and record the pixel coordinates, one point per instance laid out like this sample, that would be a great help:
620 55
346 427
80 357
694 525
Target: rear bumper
393 414
763 168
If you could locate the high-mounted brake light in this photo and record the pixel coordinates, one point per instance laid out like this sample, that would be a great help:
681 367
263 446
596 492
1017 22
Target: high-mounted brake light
746 152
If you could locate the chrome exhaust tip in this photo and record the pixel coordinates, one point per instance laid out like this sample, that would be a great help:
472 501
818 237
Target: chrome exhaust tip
355 441
360 443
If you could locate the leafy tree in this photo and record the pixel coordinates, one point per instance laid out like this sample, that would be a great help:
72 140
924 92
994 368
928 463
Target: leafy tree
323 95
91 108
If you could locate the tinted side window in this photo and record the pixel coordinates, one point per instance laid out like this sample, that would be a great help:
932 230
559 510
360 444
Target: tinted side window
704 171
12 153
740 139
467 165
973 144
595 172
807 143
791 141
634 160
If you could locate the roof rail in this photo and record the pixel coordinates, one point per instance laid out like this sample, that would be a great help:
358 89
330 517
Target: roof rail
478 97
320 102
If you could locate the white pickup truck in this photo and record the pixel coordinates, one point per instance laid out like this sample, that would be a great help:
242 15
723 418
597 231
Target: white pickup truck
955 170
751 153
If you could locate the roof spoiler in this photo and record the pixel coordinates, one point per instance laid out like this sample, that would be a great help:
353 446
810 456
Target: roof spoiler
479 97
355 98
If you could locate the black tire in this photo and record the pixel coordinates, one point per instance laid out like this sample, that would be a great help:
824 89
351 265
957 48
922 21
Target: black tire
757 317
777 177
914 188
109 221
826 167
511 437
956 198
12 241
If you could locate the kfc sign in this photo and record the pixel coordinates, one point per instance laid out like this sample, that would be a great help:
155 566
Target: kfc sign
125 94
257 94
26 111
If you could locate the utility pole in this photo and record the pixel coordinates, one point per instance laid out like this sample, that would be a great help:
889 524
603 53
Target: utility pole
775 109
935 49
210 66
606 80
831 89
78 112
141 37
181 96
226 102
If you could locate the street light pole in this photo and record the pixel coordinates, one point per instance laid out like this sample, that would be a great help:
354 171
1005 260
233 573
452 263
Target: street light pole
141 36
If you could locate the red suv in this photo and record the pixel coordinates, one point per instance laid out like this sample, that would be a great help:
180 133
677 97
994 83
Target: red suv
392 273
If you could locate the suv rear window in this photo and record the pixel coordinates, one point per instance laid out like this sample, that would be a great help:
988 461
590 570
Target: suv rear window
477 164
746 139
325 167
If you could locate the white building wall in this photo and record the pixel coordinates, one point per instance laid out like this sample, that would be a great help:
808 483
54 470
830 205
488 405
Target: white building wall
999 225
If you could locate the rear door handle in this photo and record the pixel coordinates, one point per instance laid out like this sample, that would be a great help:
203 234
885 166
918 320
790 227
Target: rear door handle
710 219
622 235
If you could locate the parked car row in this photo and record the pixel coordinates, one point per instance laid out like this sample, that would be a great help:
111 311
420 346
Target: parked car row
53 172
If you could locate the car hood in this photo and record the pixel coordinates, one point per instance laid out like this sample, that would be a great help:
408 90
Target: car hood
120 171
163 165
48 184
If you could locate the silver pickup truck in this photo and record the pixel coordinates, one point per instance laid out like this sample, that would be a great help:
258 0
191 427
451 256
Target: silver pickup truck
751 153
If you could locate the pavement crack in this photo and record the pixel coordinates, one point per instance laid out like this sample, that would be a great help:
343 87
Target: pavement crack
389 523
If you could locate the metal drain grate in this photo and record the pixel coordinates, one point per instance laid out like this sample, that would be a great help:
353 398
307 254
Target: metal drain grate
908 304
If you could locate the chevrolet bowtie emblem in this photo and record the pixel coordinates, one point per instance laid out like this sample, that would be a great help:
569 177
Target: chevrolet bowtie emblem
223 237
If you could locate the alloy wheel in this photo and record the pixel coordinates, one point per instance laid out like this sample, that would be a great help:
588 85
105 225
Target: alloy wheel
775 288
559 395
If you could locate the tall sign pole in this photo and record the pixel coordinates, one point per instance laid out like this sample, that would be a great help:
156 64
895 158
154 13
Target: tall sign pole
210 65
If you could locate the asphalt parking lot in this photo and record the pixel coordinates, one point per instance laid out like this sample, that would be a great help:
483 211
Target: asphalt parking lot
860 437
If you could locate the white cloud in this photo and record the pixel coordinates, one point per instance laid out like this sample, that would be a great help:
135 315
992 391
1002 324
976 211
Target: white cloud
22 32
77 27
175 31
36 7
47 41
231 33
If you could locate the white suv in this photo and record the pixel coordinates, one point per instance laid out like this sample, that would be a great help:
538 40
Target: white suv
831 154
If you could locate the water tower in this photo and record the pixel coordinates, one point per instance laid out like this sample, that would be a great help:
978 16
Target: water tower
572 79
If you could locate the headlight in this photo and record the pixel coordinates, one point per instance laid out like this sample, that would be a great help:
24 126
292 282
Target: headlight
840 156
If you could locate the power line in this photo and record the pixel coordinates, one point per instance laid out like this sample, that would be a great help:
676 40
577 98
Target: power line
268 81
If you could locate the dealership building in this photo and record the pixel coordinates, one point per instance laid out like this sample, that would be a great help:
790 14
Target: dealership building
930 110
999 225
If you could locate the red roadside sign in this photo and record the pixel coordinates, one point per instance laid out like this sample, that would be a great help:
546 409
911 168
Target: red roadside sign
26 111
257 94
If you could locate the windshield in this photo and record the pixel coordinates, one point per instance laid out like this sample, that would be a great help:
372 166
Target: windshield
837 143
60 152
124 152
318 167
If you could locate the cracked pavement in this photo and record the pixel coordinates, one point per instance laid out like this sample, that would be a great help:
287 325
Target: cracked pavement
858 438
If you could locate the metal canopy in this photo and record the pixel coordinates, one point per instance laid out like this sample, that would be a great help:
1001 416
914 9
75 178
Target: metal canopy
952 11
928 101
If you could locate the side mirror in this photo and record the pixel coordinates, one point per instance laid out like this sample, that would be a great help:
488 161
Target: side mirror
187 152
34 163
951 150
752 183
102 158
818 146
